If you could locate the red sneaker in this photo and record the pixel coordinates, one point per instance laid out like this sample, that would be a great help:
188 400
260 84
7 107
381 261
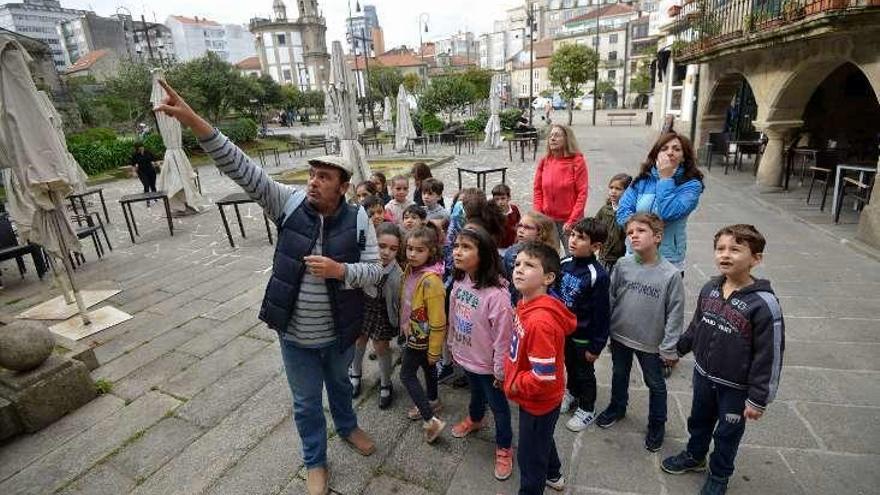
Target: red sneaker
466 427
503 463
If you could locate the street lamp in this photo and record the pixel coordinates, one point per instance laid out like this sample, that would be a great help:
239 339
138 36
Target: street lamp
354 53
530 18
596 73
427 18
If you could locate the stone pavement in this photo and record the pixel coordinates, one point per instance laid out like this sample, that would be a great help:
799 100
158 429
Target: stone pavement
199 402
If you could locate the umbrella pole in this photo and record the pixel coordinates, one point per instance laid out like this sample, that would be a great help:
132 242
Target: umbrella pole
62 283
65 260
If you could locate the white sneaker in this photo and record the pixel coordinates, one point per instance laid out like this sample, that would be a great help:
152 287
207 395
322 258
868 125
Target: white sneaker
567 401
580 420
558 484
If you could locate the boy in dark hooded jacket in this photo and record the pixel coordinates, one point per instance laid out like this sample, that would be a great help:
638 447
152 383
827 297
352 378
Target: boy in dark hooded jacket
737 337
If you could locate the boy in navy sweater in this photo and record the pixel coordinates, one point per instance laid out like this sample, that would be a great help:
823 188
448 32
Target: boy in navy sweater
737 337
584 290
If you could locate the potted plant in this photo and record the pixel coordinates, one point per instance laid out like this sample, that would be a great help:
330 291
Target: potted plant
792 9
825 5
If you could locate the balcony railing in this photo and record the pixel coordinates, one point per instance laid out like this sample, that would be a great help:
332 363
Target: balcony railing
702 24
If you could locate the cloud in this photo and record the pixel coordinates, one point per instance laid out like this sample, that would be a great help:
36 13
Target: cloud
398 18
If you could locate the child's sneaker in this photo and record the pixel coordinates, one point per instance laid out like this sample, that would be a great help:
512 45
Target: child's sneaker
433 428
557 483
386 396
580 420
355 385
654 437
714 486
682 463
567 402
503 463
466 427
607 418
415 415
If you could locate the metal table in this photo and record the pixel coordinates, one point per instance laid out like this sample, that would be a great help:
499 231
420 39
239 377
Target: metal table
861 169
126 202
236 199
521 142
481 173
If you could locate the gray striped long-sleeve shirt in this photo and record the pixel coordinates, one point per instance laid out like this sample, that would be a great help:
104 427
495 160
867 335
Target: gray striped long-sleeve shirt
312 322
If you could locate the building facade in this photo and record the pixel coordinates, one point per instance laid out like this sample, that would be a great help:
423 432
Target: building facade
38 19
610 40
294 51
362 26
147 42
193 37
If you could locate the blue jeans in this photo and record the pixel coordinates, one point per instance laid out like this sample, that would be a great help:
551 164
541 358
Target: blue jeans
537 456
308 371
483 391
652 372
716 412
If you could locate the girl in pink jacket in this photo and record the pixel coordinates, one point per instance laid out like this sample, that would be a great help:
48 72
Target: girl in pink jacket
480 326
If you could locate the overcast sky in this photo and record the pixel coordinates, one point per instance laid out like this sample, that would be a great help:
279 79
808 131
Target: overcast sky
398 18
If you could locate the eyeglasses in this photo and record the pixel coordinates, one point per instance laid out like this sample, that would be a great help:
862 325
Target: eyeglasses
525 226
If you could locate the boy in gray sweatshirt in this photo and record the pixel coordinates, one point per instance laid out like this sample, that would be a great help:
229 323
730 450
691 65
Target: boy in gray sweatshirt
647 314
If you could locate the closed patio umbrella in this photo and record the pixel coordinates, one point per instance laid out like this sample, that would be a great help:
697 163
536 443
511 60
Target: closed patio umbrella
387 125
177 178
405 129
332 119
341 92
79 186
32 148
493 126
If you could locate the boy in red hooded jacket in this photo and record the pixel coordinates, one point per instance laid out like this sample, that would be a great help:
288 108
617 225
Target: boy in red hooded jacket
534 372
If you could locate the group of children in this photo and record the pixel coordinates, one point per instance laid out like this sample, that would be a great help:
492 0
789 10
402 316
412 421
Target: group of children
483 286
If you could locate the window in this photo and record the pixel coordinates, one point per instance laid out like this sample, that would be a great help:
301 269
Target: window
282 40
287 76
675 100
612 75
612 55
595 41
612 38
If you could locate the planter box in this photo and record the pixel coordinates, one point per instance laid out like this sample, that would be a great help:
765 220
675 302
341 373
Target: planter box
824 5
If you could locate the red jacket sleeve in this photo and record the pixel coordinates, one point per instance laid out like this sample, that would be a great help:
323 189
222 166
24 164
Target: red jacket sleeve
581 181
541 379
538 196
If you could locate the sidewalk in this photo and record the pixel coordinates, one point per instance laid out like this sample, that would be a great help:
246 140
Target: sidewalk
200 405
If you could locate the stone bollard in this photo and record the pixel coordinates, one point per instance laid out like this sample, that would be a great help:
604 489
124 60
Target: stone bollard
24 345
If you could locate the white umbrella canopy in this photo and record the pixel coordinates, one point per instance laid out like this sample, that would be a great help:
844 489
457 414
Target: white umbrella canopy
177 178
493 126
332 115
405 127
342 93
35 152
33 149
76 172
387 126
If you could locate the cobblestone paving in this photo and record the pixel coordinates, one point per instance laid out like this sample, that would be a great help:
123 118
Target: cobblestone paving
199 402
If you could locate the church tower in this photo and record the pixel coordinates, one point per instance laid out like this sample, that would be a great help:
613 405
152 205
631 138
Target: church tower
314 30
280 10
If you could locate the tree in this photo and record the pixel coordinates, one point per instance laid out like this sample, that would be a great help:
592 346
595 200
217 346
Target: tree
412 83
214 87
384 82
570 67
271 91
482 81
127 94
448 94
641 82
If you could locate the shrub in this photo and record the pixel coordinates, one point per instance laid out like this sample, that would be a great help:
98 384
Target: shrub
95 134
430 122
241 131
509 117
478 123
154 144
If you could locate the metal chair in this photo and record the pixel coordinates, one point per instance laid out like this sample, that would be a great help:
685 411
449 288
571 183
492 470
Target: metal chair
860 193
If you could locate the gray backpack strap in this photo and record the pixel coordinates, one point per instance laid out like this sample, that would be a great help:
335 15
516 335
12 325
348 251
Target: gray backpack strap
296 198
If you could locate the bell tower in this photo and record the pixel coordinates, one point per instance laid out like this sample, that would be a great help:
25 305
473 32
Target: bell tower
280 10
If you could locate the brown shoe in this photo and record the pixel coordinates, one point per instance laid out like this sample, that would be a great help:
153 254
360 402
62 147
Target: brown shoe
361 442
433 428
317 481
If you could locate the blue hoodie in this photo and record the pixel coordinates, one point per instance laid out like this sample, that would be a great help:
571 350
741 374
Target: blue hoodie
672 200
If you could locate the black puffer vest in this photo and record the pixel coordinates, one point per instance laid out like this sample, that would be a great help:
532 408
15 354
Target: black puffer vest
297 235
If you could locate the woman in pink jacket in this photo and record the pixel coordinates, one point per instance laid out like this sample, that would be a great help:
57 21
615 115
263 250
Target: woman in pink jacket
480 326
561 181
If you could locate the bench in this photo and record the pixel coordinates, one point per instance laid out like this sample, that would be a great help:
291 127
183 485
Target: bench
621 116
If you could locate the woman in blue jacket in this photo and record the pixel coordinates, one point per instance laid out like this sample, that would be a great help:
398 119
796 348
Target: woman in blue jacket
669 185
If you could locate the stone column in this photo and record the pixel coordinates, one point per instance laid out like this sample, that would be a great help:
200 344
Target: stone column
773 161
869 220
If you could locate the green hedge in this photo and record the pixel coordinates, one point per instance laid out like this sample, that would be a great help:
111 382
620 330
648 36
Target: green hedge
99 150
478 123
509 117
430 123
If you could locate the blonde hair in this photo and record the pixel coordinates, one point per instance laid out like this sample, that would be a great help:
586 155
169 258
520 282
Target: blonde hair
571 144
546 229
